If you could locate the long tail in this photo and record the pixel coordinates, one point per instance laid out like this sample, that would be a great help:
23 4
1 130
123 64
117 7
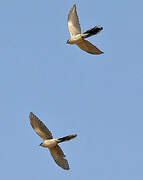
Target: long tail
92 31
66 138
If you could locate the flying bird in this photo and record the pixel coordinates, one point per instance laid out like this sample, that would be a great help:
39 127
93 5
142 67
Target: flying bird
77 37
50 142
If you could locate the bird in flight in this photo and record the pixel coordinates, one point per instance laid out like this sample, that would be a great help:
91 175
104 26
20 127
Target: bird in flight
77 37
50 142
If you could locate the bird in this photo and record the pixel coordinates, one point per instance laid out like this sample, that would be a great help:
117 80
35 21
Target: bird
77 37
50 142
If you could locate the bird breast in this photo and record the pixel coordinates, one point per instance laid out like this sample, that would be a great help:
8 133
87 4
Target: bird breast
76 39
49 143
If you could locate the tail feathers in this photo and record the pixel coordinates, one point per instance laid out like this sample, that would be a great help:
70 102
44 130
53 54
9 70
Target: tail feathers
67 138
92 31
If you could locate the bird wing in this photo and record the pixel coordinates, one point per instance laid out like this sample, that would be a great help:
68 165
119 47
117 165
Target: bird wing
40 127
88 47
59 157
73 22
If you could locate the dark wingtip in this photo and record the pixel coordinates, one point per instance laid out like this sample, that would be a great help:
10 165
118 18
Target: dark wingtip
100 53
67 168
74 135
74 6
31 114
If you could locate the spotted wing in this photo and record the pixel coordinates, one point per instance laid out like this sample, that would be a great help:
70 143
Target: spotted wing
59 157
88 47
73 22
40 127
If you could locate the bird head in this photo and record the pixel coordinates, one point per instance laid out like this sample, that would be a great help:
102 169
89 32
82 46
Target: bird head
68 41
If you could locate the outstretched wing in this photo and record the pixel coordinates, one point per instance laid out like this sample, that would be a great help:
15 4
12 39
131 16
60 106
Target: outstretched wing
40 127
59 157
88 47
73 22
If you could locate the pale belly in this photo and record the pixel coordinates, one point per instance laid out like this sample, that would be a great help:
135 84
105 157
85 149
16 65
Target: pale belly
76 39
49 143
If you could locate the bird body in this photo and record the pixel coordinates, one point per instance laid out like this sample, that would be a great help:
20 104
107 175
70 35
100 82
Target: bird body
50 142
77 37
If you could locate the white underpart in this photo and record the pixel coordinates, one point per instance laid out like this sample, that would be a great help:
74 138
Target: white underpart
76 39
49 143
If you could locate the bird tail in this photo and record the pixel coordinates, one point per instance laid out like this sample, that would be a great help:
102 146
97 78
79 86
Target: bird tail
92 31
66 138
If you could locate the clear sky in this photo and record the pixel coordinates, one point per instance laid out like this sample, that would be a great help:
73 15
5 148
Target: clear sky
98 97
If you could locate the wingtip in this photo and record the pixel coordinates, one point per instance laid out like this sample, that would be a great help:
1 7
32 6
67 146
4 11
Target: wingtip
72 10
99 53
75 135
74 6
31 114
66 168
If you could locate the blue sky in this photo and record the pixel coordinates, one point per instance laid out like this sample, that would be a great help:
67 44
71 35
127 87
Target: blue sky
98 97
